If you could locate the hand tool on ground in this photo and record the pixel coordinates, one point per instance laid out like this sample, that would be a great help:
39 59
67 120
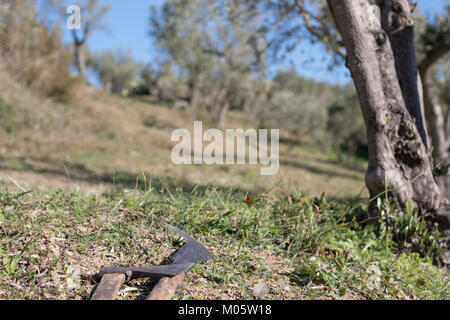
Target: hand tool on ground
172 275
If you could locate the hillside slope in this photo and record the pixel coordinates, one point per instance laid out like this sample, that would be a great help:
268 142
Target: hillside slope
100 140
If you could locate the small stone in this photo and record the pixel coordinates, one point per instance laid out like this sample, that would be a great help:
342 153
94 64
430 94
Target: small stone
82 229
73 277
34 214
202 280
446 258
260 290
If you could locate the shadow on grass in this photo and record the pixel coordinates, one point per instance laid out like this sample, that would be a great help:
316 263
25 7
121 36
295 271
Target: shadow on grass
346 165
75 172
118 179
153 101
316 170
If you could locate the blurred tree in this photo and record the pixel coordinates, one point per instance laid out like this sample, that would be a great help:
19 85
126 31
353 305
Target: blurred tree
215 46
312 112
297 105
117 70
300 114
434 45
93 14
150 79
292 21
345 124
442 78
168 84
31 49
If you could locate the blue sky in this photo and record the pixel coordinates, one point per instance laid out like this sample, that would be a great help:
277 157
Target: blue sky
128 29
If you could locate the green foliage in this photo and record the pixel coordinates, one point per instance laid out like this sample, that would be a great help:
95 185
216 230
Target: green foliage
165 84
7 118
345 123
433 34
407 230
302 20
10 263
117 70
215 48
312 112
299 114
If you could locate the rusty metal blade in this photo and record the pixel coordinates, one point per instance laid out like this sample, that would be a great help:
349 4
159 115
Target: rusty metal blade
193 251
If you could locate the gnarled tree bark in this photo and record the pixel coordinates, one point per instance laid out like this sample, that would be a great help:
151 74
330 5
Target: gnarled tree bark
385 74
398 24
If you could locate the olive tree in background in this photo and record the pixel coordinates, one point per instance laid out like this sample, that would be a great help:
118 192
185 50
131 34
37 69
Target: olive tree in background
32 51
345 127
215 45
299 106
93 14
117 70
434 46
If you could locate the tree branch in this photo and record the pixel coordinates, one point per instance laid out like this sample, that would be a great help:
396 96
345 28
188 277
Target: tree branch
433 56
318 32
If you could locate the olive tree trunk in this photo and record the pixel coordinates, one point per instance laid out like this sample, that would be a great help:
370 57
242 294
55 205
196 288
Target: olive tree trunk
384 69
435 118
398 24
437 129
80 61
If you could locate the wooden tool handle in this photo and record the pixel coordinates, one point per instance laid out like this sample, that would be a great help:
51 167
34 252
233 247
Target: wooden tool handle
166 287
109 286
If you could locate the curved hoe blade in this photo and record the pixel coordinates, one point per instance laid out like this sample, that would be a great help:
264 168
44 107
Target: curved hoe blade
192 252
186 257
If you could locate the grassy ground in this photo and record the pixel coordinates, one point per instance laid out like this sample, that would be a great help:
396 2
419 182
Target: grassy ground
84 185
301 247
